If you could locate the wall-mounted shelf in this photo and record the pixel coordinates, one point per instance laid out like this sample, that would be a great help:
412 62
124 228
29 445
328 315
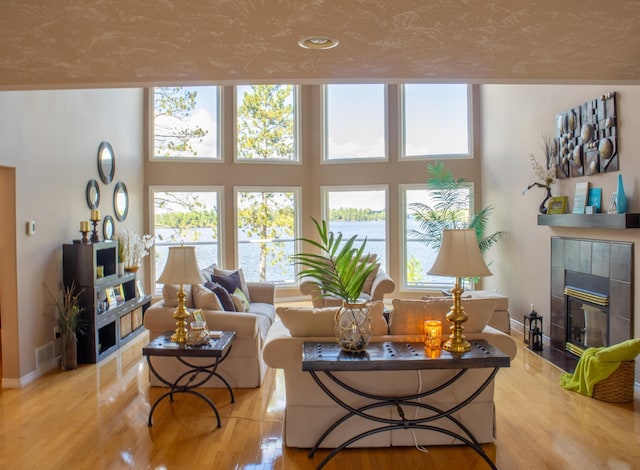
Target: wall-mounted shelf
612 221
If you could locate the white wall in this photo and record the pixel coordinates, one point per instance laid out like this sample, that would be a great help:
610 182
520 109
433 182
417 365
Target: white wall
51 138
513 119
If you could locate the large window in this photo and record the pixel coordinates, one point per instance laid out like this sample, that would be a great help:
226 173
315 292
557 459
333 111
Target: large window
185 215
267 220
355 122
266 123
419 203
436 121
359 211
185 122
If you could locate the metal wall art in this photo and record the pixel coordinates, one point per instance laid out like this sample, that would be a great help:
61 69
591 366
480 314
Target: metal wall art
587 138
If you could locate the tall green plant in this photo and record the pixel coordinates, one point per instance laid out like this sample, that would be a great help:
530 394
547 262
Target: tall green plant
340 269
449 210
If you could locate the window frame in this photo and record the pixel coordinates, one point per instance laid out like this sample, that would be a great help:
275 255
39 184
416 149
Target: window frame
150 93
297 219
402 134
218 190
324 115
403 236
324 209
297 133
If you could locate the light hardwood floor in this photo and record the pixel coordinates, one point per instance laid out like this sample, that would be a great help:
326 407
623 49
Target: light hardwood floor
96 418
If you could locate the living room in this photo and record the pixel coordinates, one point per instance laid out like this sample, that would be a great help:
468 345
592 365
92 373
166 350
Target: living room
50 139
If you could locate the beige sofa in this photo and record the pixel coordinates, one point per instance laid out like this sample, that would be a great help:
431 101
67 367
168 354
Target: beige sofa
244 367
309 411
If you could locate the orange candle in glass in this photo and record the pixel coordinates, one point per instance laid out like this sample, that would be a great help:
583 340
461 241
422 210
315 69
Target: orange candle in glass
432 334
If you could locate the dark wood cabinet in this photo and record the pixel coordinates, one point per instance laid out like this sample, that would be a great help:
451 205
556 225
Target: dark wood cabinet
108 325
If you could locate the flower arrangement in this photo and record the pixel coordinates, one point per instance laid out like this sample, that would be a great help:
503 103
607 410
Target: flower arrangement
133 247
546 174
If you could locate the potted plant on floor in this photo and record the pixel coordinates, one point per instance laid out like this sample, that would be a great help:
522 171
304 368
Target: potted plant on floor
340 269
69 321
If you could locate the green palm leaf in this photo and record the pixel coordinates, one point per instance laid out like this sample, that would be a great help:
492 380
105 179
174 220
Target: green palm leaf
340 269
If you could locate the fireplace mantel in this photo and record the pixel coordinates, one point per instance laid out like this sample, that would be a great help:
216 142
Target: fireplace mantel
612 221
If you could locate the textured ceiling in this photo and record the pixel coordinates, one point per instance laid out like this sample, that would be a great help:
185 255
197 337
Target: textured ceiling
94 43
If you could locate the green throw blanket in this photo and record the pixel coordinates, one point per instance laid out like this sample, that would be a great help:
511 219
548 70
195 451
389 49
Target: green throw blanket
589 371
596 364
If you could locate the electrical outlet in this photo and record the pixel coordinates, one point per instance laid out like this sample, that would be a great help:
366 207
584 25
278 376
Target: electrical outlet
57 334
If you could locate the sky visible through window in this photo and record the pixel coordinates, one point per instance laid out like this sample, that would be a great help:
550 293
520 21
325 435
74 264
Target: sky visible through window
204 115
435 120
356 121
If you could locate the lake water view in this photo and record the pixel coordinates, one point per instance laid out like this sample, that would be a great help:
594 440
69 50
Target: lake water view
283 272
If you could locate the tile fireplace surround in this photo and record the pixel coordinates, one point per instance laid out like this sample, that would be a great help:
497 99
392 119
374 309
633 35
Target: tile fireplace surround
611 260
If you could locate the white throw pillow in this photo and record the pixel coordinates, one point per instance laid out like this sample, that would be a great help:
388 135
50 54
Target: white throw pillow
320 322
170 295
205 299
409 315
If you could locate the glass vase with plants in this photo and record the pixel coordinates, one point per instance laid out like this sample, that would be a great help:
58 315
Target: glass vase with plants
340 269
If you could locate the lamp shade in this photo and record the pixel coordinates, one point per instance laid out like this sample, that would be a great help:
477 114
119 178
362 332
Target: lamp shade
459 255
182 266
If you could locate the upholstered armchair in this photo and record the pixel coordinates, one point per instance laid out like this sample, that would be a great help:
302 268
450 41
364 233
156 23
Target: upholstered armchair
379 285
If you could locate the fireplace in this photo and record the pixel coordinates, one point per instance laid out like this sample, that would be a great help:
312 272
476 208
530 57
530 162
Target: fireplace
587 311
591 293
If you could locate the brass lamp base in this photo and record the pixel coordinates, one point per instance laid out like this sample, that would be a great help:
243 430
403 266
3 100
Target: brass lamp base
181 314
456 342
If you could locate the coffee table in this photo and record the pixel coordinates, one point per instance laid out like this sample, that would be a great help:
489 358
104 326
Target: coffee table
321 359
217 349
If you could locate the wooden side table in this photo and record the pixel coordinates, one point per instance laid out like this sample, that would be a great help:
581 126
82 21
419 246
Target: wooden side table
326 358
217 349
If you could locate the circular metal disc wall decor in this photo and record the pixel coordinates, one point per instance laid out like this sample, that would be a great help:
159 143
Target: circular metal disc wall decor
93 194
120 201
106 162
108 228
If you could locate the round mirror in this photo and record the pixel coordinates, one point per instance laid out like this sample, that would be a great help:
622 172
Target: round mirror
106 162
108 228
120 201
93 194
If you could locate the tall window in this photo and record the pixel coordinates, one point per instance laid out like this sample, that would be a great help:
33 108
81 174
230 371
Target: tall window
266 123
355 122
361 212
267 223
418 256
190 215
185 122
435 121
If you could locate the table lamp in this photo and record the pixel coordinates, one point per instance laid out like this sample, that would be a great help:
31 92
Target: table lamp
181 268
459 256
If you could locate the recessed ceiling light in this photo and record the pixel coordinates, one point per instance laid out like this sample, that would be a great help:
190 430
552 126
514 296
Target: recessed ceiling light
318 42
